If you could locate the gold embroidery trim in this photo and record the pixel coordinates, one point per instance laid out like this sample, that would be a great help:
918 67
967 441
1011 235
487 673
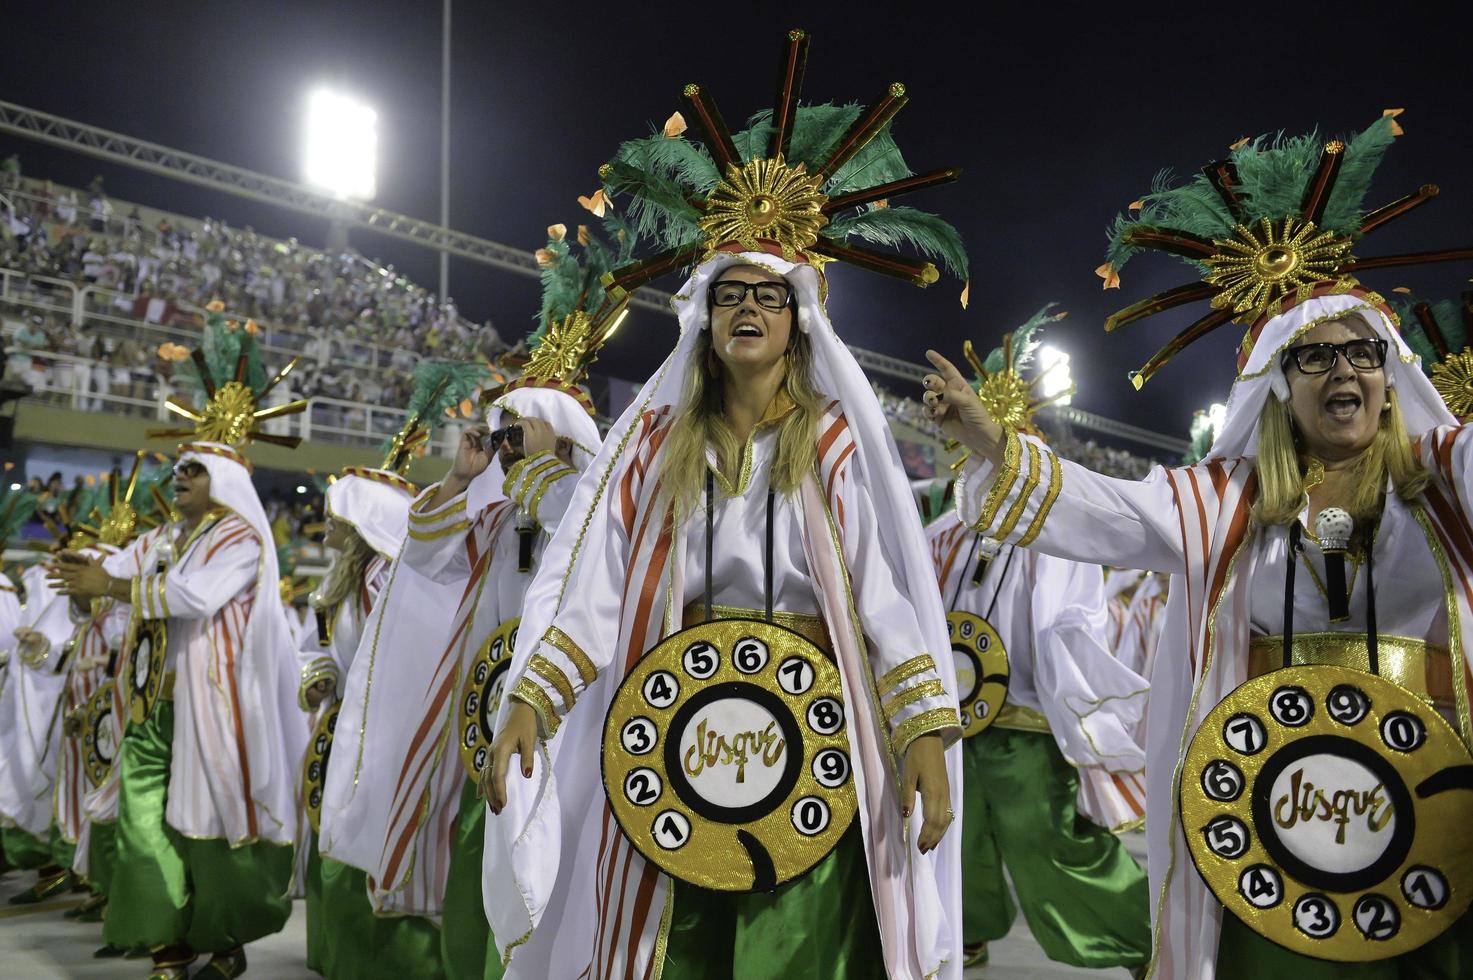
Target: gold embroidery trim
553 674
1405 661
1021 719
536 502
1454 625
564 643
456 528
895 677
158 585
533 475
1015 512
421 514
922 724
1002 481
1055 484
515 471
534 697
909 696
134 588
317 670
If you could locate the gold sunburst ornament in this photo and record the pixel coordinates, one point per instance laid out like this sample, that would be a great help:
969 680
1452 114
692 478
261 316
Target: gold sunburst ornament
1258 267
230 416
1453 379
766 199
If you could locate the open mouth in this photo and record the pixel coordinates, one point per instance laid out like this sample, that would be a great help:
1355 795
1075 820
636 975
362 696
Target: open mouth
1342 405
746 330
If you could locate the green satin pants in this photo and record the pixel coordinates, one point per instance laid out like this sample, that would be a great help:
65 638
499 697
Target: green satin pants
465 936
1085 899
169 889
62 852
316 914
356 943
1241 952
820 927
102 855
25 850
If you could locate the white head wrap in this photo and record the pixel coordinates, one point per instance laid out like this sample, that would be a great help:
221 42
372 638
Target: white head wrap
568 418
377 509
1261 376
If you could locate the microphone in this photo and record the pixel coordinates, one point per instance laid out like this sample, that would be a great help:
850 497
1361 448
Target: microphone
1333 527
988 549
526 536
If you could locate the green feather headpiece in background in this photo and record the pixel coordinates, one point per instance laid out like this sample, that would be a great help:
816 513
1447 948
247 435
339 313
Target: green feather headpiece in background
1440 334
440 387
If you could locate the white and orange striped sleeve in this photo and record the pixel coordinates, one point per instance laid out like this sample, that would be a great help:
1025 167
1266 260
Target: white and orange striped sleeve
226 563
1037 499
907 677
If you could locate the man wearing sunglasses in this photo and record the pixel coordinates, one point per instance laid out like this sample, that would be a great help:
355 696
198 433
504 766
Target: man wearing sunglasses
207 794
477 535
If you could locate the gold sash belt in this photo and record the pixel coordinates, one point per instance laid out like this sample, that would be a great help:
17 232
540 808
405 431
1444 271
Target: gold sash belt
166 689
1416 665
811 628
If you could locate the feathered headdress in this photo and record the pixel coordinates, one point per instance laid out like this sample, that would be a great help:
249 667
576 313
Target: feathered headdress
1266 228
16 508
1440 333
800 180
1011 399
440 387
227 367
578 315
140 502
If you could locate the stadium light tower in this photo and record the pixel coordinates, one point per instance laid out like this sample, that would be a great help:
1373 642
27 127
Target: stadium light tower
342 145
1054 374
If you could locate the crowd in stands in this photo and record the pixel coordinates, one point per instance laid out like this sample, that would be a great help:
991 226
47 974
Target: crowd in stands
343 312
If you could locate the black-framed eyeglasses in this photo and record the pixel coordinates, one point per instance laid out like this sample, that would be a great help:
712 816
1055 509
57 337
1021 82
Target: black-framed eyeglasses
511 434
769 295
1366 354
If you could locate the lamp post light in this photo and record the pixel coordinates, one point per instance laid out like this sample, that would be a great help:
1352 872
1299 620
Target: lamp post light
1054 377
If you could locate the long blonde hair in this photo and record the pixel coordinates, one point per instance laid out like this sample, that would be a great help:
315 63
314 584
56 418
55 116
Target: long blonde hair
346 574
1281 491
701 420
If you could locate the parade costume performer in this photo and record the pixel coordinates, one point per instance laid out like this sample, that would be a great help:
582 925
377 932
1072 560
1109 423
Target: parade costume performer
1440 333
1329 410
30 734
92 710
367 516
209 764
16 508
811 541
1050 773
477 537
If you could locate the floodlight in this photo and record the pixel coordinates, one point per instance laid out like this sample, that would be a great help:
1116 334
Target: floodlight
1054 377
342 145
1216 417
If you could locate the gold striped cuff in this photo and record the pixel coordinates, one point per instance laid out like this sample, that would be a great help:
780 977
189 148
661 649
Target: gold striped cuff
1030 484
135 586
909 696
897 676
420 513
935 720
518 470
1002 481
459 527
534 697
158 586
533 477
563 643
554 675
1055 483
558 474
322 668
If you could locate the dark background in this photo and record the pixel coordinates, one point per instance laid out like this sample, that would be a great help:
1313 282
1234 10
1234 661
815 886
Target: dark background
1058 115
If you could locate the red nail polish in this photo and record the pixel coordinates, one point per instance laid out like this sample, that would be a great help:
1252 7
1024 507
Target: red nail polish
527 771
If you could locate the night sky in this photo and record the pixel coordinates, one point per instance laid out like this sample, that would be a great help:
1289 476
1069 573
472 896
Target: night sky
1058 119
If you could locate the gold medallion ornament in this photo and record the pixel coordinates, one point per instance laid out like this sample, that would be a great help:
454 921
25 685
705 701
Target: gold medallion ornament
480 696
1259 267
314 765
99 735
144 668
1453 379
726 756
766 199
981 670
1327 808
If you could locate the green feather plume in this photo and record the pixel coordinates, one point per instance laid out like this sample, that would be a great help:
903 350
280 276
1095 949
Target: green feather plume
1026 341
1201 440
570 283
1448 315
17 507
932 236
438 385
1273 173
222 347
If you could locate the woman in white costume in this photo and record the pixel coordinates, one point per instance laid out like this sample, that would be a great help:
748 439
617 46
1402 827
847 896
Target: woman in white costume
1329 410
